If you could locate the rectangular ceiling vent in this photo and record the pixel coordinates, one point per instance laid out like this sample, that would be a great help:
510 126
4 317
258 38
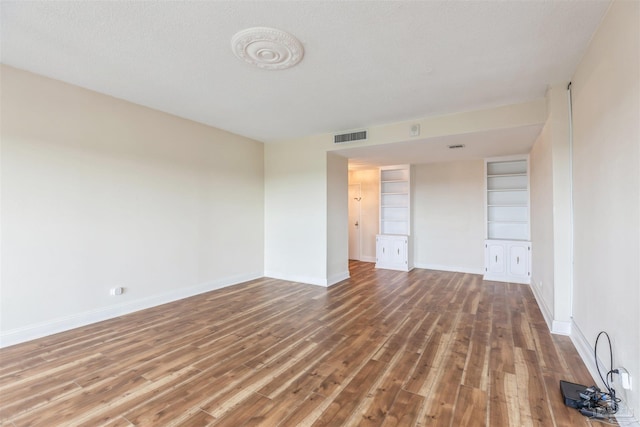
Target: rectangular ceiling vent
456 146
360 135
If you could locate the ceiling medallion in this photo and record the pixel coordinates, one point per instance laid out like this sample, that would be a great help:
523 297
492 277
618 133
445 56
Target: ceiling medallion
267 48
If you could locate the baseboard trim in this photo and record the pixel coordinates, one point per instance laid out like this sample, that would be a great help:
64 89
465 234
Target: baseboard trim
62 324
454 268
337 278
546 313
368 259
309 280
558 327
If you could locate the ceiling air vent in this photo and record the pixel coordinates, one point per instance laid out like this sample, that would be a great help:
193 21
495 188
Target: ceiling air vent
453 147
342 138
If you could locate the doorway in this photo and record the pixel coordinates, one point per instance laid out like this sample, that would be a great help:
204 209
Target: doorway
355 196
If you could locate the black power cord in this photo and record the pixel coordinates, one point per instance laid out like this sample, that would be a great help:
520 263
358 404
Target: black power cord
606 402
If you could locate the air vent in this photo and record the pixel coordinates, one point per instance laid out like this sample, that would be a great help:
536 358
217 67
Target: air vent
342 138
453 147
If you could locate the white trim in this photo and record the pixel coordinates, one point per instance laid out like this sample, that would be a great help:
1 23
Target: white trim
368 259
506 279
61 324
561 327
557 327
546 313
452 268
337 278
309 280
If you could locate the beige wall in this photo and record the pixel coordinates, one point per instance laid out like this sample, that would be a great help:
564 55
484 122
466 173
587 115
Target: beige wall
296 213
606 177
551 213
98 193
337 219
448 216
369 180
542 262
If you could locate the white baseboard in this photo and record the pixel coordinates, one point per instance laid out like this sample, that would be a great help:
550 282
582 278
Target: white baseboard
61 324
368 259
558 327
546 313
337 278
561 327
452 268
309 280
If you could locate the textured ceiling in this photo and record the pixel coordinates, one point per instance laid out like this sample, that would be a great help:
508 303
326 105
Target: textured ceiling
366 63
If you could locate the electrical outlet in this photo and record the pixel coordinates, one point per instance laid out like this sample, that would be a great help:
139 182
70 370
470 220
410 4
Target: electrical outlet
117 291
625 380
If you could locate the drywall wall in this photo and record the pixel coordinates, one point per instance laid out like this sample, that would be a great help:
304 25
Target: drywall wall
369 180
448 216
98 193
551 222
296 218
606 189
542 262
337 219
296 213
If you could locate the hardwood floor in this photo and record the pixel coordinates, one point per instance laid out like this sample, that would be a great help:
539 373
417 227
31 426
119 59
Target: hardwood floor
384 348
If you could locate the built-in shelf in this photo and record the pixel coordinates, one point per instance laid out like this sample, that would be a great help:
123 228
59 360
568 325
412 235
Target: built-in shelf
507 199
395 185
507 248
393 244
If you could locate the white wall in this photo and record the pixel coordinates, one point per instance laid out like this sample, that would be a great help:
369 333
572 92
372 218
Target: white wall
542 262
448 216
337 218
551 222
296 213
296 216
369 180
98 192
606 159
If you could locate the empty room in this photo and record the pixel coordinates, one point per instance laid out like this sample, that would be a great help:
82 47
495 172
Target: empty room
320 213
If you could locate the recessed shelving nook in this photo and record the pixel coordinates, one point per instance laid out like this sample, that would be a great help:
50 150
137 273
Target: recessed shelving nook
508 200
395 200
507 248
393 243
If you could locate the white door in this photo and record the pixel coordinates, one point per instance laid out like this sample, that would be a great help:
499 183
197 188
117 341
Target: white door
495 258
355 196
399 252
518 260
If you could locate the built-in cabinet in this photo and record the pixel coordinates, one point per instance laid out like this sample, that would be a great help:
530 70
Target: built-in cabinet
393 243
395 200
507 248
392 252
507 261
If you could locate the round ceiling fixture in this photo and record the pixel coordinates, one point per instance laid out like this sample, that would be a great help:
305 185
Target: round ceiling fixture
267 48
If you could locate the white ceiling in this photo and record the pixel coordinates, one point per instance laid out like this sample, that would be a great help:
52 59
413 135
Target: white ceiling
366 62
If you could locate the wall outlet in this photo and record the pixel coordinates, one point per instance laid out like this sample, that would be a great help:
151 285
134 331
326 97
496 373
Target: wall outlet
625 380
117 291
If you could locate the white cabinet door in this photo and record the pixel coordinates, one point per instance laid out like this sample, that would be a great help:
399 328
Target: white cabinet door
507 261
518 260
494 258
399 251
392 252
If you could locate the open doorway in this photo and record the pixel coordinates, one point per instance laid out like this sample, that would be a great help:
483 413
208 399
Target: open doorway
355 212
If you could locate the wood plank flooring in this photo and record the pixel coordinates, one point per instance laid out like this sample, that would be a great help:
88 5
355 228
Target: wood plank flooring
384 348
